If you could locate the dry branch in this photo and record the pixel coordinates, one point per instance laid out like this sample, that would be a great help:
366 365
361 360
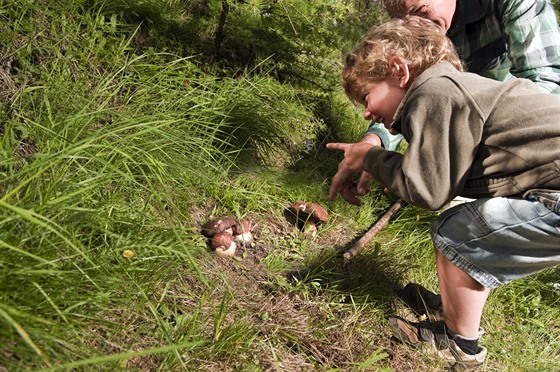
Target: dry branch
359 246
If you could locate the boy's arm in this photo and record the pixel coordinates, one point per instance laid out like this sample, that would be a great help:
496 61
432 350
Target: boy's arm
443 130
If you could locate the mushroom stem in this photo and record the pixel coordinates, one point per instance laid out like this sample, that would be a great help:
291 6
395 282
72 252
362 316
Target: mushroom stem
224 244
310 228
242 232
229 252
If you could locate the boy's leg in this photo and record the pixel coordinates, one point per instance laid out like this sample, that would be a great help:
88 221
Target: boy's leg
463 298
481 245
495 240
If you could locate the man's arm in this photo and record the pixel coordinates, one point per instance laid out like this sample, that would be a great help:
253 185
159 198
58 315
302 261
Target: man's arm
533 37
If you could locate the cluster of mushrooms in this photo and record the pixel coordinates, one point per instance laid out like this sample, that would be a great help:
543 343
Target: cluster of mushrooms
226 233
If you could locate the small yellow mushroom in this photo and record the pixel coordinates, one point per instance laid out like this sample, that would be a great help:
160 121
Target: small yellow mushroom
128 253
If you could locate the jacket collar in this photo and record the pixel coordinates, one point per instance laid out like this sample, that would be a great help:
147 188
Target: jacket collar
439 69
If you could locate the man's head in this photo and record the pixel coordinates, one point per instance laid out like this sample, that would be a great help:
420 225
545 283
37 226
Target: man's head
413 41
438 11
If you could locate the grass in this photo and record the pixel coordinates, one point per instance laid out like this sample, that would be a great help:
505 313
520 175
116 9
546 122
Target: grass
116 136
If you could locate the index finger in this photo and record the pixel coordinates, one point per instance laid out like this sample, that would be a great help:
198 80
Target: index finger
337 146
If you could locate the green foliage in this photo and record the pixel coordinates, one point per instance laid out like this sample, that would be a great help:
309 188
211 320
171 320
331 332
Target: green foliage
114 114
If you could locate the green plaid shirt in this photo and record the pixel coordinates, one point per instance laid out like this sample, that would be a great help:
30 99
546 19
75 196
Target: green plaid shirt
503 39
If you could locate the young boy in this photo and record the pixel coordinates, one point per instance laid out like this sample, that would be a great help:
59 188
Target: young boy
500 39
498 142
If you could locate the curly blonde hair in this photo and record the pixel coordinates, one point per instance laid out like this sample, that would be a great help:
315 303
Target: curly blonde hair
416 41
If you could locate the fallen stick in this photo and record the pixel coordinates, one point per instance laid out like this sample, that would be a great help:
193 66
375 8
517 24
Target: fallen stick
359 246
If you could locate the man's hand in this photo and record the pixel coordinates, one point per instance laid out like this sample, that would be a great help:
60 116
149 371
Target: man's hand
354 155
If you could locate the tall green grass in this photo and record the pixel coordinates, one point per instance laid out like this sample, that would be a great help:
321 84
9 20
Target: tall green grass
106 150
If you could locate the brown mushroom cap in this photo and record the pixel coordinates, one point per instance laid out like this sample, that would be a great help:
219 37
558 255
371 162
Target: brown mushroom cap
223 243
244 226
219 225
307 211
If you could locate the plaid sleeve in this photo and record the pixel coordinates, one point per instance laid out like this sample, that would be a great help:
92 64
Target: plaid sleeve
389 141
533 37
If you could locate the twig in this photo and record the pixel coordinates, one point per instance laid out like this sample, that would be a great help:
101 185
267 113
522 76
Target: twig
359 246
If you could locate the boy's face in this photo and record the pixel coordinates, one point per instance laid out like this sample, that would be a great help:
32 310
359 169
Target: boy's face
381 98
439 11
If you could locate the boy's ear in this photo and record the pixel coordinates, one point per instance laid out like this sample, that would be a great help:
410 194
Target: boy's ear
402 73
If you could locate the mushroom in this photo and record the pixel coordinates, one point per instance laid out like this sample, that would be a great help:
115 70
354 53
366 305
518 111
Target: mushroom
309 216
242 232
223 243
219 225
239 231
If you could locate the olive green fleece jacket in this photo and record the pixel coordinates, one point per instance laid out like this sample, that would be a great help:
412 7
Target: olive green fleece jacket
471 136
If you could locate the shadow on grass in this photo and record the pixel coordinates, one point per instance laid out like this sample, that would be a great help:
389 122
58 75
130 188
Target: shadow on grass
372 277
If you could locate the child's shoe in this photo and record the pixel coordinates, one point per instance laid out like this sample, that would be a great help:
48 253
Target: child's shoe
434 336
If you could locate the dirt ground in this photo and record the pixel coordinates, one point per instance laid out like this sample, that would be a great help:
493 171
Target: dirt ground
290 321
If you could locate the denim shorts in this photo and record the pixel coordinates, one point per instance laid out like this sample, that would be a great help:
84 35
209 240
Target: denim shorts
497 240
